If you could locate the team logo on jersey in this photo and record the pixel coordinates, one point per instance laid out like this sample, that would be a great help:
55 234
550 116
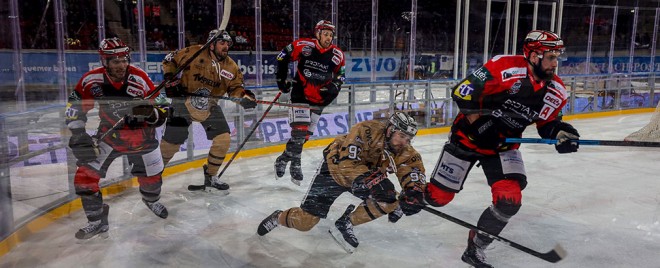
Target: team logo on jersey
227 74
552 100
201 101
513 73
464 90
306 51
281 55
515 88
96 91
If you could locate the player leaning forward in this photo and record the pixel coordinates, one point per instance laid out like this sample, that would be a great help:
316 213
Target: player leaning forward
359 162
194 98
498 101
118 88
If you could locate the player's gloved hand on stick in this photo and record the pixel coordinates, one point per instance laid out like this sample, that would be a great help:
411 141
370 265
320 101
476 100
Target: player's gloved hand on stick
567 138
82 145
173 87
362 185
140 115
395 215
485 133
411 201
248 100
284 86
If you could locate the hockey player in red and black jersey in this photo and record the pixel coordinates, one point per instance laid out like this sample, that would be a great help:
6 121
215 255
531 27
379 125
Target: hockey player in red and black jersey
498 101
119 89
359 162
317 83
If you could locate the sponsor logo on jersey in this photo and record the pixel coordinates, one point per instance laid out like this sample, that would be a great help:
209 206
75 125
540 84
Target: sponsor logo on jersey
134 91
546 111
71 113
306 51
336 60
515 88
317 65
552 100
514 73
289 48
227 74
206 81
464 90
481 74
523 110
306 43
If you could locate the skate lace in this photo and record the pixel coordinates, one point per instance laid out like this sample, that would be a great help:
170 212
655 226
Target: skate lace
347 228
479 254
216 180
91 227
156 207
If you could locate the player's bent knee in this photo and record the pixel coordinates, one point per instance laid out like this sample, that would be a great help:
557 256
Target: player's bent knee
298 219
437 197
507 197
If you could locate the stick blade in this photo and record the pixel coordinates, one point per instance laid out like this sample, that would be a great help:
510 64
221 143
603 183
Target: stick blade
555 255
193 187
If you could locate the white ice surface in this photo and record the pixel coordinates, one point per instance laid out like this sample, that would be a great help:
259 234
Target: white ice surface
601 204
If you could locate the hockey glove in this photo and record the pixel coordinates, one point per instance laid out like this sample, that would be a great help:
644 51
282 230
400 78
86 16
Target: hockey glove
141 114
567 138
485 132
82 146
248 100
284 86
173 87
329 92
362 185
411 201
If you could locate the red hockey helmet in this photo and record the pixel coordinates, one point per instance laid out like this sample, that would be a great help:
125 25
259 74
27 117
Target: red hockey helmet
111 48
540 41
324 25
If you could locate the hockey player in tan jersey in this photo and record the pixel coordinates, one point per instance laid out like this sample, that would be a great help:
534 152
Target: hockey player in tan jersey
209 75
359 163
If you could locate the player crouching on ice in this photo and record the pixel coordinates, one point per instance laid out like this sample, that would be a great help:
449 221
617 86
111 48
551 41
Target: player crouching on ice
359 162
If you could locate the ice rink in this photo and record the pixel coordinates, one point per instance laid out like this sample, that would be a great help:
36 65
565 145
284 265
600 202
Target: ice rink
602 205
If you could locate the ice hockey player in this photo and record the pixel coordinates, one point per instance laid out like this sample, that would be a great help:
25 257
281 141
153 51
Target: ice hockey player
359 162
119 89
317 83
194 98
498 101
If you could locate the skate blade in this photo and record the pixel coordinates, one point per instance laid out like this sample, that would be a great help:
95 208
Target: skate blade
296 182
212 189
336 235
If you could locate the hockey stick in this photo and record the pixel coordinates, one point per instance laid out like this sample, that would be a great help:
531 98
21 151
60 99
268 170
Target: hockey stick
588 142
554 255
271 103
193 187
223 25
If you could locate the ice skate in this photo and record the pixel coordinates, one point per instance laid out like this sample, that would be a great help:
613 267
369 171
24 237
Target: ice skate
157 208
95 227
213 181
474 254
269 223
296 171
343 233
280 164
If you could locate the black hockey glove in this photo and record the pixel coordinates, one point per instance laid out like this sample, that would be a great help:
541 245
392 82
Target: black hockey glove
485 132
567 138
362 185
411 201
248 100
173 87
284 86
141 114
82 146
329 92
